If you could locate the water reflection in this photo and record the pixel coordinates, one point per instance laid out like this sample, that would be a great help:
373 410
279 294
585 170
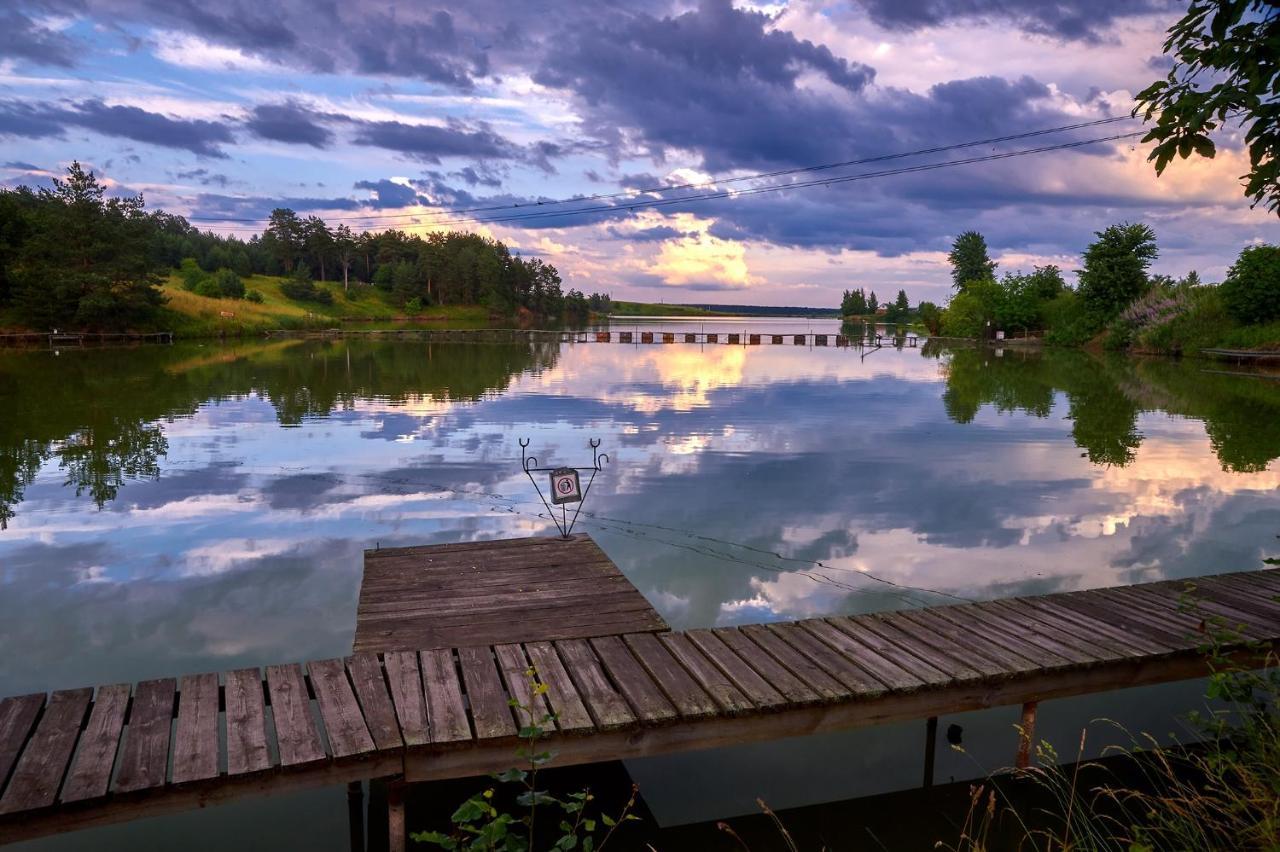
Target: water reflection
236 486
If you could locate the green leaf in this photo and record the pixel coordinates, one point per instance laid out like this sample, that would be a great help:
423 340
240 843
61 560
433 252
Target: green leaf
511 776
608 821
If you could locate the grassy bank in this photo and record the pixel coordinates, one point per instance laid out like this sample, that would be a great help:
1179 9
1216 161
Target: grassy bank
646 309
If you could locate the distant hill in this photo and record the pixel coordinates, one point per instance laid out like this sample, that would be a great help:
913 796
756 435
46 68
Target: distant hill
647 309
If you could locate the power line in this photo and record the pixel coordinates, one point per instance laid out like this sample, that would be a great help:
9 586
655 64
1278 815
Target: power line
714 181
822 182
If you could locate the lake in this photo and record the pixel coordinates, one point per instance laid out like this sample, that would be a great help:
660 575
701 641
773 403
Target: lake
203 507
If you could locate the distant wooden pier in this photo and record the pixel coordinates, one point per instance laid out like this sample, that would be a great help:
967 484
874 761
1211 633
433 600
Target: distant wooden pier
55 339
83 757
634 338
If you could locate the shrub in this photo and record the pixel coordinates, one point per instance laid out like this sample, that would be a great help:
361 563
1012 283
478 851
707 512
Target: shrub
1201 322
191 274
1068 320
1251 290
972 310
228 283
208 288
305 291
413 306
253 296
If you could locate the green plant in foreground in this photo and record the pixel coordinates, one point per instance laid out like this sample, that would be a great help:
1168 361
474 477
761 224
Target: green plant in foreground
480 823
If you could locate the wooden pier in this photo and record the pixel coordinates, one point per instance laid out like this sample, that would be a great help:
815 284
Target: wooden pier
632 338
491 592
83 757
55 339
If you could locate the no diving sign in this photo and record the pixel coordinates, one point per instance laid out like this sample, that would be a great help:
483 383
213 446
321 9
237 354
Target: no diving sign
565 487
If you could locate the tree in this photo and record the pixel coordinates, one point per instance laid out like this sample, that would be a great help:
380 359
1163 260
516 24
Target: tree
900 310
1115 268
931 315
972 311
344 246
969 260
318 242
1251 290
872 304
283 237
1224 69
88 260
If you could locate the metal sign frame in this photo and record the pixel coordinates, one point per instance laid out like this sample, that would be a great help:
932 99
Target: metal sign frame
564 523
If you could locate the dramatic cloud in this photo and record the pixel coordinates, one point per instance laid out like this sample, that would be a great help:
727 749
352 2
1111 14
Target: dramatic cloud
201 137
23 38
1086 20
289 122
429 143
389 194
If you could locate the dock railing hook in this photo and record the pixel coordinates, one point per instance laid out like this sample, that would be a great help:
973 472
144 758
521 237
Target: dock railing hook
565 484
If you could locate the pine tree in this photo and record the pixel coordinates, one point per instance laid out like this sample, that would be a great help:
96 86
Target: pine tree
969 260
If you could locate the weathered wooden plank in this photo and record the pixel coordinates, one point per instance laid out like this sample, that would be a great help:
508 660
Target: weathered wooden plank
690 700
446 712
743 676
787 685
1066 635
405 681
840 667
571 714
1193 608
343 720
1248 597
195 739
635 684
520 678
717 684
955 662
247 749
1260 612
887 672
90 773
608 708
488 698
39 771
1137 645
972 621
1028 633
379 713
1134 620
809 672
296 734
1112 645
890 651
17 720
981 646
145 759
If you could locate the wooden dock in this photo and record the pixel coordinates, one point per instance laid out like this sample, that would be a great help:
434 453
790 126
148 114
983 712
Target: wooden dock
491 592
872 340
83 757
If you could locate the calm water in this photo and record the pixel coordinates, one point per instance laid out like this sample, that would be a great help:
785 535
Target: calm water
203 507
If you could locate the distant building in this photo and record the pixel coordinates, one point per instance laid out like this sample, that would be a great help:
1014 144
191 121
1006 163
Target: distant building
882 310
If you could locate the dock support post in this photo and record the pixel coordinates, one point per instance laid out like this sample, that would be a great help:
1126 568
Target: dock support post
1026 734
395 816
355 815
930 745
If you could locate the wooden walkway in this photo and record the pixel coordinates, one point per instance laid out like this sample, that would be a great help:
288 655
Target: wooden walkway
88 756
491 592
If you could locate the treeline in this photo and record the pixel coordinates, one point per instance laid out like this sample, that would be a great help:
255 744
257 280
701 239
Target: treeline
859 303
1116 300
72 257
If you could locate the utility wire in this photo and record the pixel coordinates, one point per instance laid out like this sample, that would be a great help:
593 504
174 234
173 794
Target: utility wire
714 181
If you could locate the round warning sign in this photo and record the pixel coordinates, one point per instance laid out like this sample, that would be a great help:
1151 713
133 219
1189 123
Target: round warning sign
565 487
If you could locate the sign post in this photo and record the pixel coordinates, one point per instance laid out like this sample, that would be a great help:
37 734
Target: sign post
565 484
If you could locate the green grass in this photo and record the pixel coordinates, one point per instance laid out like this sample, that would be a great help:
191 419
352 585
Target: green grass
189 315
646 309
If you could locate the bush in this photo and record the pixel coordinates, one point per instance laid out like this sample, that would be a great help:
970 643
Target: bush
301 290
972 310
208 289
1251 290
1068 321
228 283
413 306
1201 322
253 296
191 274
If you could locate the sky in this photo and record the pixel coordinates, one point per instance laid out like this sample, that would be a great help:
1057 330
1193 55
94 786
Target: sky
383 115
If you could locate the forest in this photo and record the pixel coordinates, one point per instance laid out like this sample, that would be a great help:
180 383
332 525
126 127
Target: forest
73 257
